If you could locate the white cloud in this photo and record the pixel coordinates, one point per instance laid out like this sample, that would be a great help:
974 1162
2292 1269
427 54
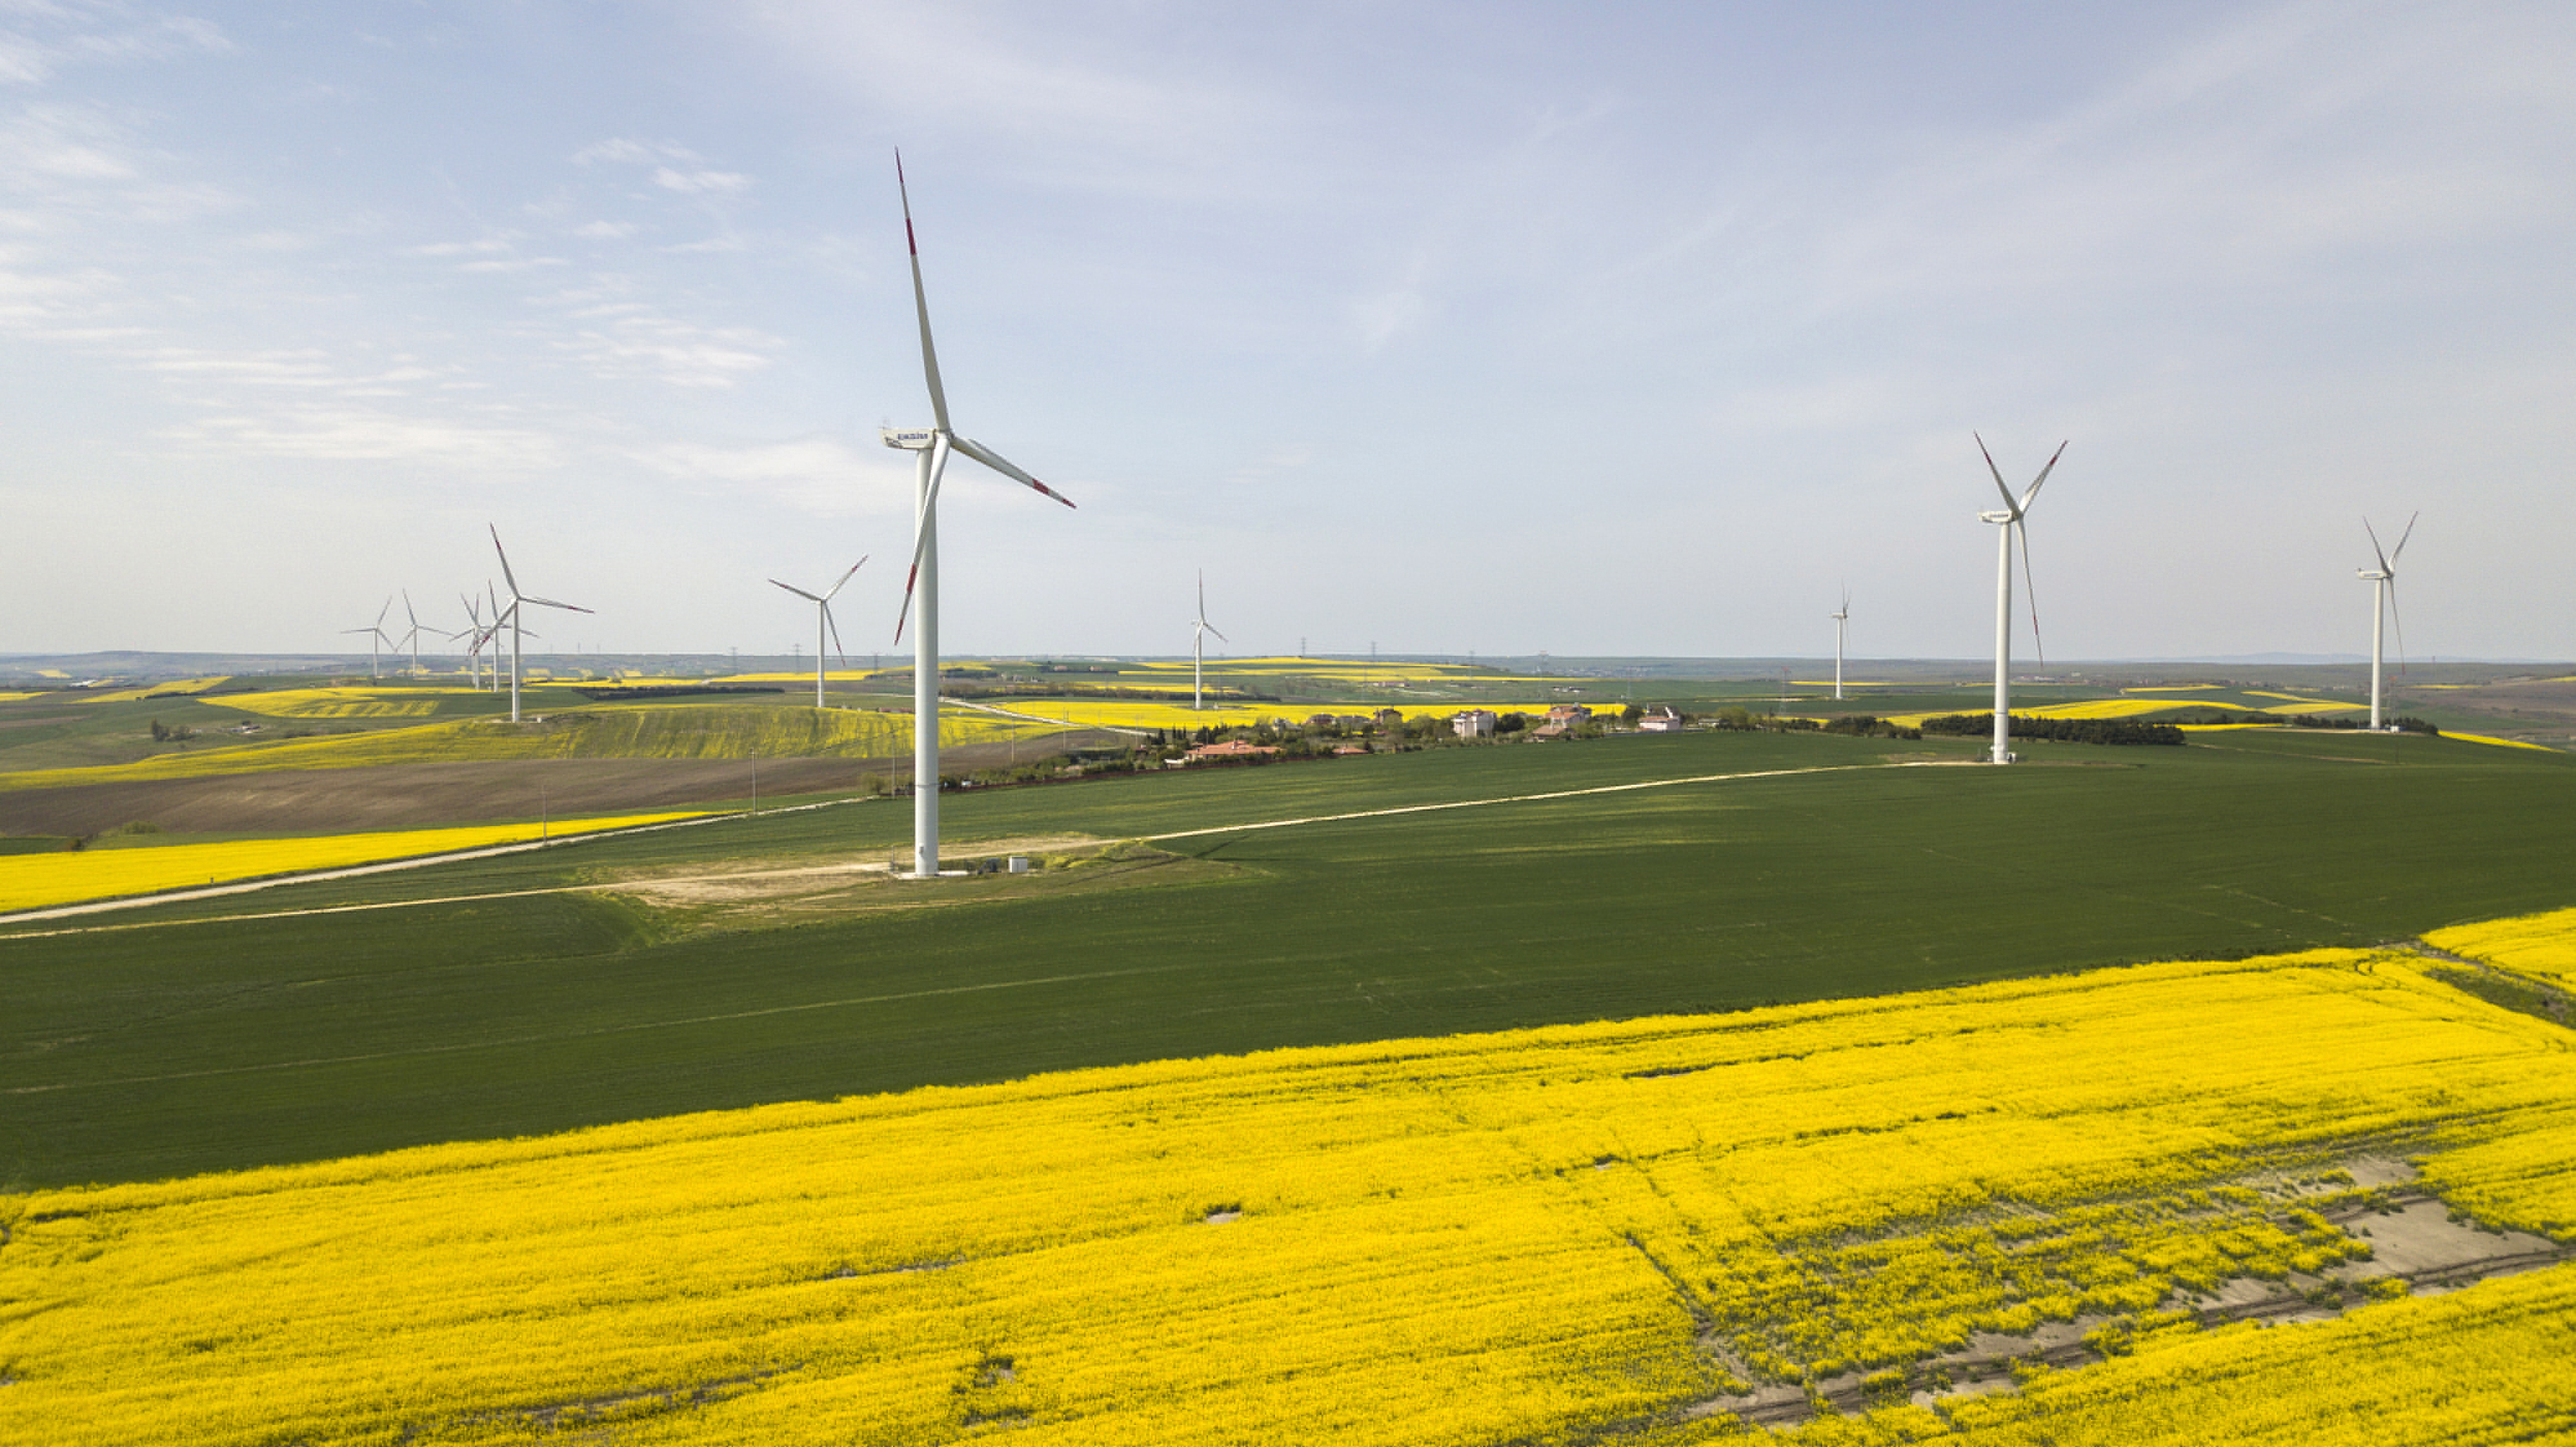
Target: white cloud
697 183
605 230
637 341
817 476
341 433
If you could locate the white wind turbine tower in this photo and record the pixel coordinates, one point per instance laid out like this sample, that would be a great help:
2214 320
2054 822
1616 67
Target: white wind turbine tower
933 446
511 614
1199 629
475 636
376 636
411 639
2009 520
1840 619
2383 606
823 620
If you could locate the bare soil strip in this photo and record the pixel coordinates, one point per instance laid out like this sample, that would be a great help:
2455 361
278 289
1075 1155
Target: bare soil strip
2415 1240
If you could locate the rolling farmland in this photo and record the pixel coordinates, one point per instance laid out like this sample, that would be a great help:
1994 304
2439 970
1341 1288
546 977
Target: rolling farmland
1876 1210
490 1016
1787 1109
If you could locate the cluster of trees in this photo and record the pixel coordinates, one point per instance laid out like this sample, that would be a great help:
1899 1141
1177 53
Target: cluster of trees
2407 725
171 733
2063 730
1869 726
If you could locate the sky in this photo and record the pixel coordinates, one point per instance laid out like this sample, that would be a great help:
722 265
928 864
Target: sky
1490 327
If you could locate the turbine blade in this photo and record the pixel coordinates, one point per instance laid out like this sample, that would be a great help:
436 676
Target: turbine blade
415 618
921 302
2013 507
2037 482
920 534
799 592
2030 587
551 603
1220 636
1002 465
2398 619
506 575
1203 598
835 628
845 577
2402 537
2376 548
381 612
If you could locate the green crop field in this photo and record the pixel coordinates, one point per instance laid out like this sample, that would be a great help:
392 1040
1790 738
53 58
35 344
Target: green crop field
145 1052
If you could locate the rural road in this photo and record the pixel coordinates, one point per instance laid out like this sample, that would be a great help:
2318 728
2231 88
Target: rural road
70 911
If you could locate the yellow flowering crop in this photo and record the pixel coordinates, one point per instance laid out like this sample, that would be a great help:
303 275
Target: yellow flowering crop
2538 944
608 731
336 703
148 690
1557 1234
32 881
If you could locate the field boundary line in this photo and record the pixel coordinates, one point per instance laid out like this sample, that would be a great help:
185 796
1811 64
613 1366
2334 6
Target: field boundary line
423 861
1553 794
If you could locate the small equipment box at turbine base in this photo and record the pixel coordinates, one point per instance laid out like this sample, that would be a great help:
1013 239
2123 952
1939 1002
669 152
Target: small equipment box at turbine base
1019 864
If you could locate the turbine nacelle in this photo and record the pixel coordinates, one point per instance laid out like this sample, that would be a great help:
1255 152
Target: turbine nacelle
1996 515
914 439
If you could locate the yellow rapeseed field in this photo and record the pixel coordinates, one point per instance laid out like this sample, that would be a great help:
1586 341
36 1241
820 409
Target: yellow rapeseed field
337 703
1583 1233
622 731
33 881
1141 714
2541 944
148 690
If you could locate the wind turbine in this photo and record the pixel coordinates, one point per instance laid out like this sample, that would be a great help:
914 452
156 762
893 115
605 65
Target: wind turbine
1199 629
1840 619
2009 521
2383 605
932 446
475 637
512 614
823 620
375 635
411 639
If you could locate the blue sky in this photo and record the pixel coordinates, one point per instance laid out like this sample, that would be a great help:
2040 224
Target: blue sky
1634 330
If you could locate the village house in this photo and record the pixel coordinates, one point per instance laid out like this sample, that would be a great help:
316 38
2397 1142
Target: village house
1568 714
1660 720
1472 723
1390 719
1229 749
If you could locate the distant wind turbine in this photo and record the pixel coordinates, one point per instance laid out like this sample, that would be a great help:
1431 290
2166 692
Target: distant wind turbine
1840 619
2009 520
475 636
1199 628
411 639
512 615
376 636
2383 607
933 446
823 620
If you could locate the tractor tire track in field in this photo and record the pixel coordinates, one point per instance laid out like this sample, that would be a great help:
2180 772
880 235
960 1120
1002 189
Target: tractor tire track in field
69 911
461 1046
